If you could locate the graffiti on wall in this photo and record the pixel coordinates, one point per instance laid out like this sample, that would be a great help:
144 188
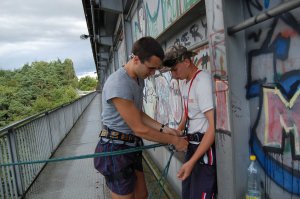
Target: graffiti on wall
170 12
122 52
274 78
150 97
160 14
162 105
186 4
195 33
154 17
162 99
202 59
175 101
256 5
138 23
162 96
218 65
221 97
168 107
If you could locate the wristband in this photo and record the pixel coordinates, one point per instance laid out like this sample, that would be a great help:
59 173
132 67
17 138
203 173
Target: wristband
162 127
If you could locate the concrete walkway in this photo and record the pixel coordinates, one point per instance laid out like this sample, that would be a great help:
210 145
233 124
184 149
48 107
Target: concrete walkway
76 179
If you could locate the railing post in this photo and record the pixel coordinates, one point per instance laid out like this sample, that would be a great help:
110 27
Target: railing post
50 133
64 109
16 174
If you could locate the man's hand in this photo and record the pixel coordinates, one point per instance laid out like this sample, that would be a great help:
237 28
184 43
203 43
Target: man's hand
172 131
181 144
181 132
185 171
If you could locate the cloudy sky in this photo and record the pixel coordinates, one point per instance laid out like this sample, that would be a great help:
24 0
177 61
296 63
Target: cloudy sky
44 30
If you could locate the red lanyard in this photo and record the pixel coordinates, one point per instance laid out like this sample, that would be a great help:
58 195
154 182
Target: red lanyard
186 104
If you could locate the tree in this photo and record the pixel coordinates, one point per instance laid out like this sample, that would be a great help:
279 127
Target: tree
35 88
87 83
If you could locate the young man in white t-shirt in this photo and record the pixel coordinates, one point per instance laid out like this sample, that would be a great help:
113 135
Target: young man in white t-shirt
198 173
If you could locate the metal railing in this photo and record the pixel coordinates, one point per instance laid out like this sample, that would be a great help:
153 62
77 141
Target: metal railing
280 9
34 138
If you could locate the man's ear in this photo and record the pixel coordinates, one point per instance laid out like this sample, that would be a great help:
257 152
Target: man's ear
187 62
136 59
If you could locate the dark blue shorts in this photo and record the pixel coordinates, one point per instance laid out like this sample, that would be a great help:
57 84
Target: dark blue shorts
202 183
111 165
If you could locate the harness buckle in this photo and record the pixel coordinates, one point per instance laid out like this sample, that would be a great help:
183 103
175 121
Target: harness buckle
195 137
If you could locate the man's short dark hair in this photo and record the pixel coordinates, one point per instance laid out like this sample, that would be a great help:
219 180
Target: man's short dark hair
147 47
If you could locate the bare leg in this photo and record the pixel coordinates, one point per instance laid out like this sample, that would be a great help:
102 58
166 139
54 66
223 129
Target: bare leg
140 190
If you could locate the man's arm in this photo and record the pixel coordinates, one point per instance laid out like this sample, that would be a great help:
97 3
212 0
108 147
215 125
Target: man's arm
147 120
134 119
156 125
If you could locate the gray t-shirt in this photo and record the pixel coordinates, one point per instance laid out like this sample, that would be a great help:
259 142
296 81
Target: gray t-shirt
121 85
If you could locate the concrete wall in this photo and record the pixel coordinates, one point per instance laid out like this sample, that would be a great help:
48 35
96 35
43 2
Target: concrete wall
256 75
220 71
162 98
273 74
263 66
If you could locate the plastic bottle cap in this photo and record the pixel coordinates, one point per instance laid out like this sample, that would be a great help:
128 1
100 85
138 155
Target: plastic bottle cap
252 157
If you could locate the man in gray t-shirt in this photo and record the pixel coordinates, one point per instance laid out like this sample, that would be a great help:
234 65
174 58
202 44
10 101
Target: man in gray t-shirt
120 85
125 123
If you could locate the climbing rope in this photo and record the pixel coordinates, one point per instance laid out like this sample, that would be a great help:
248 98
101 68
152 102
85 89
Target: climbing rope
103 154
164 173
161 181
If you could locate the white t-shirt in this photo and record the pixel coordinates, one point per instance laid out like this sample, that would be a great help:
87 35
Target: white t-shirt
200 101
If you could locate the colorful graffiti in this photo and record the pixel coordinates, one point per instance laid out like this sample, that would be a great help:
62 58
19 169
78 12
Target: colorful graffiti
186 4
150 97
221 94
168 107
154 17
274 78
138 23
202 59
162 99
255 5
218 64
218 57
170 12
195 33
175 101
162 106
280 120
160 14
